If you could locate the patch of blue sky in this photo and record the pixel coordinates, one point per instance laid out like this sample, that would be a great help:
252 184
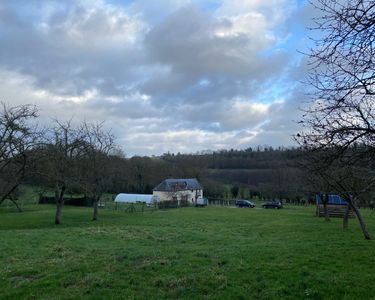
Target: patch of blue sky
293 41
280 90
261 124
199 85
211 5
302 2
121 2
207 5
204 82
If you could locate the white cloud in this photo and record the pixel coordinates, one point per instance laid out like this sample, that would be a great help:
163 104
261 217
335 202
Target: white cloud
167 75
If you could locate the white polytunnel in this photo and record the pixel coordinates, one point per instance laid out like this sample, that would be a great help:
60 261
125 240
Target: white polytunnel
135 198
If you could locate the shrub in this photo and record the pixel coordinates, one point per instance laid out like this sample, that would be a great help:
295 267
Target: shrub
173 204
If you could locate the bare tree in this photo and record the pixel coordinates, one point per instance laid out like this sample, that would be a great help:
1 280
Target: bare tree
342 74
63 148
340 121
95 164
17 138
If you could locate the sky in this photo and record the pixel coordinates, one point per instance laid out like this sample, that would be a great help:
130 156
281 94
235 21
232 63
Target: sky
165 75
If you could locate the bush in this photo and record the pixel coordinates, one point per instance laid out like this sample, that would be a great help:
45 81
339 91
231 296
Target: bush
184 203
172 204
81 201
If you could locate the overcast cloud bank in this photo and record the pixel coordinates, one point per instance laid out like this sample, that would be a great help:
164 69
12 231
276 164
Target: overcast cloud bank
180 76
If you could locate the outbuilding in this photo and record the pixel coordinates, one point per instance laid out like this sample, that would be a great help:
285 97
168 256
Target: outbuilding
136 198
336 206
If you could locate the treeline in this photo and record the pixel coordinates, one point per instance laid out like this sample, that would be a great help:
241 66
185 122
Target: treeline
228 174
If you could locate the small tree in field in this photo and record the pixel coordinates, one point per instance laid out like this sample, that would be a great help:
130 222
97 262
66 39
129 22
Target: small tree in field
63 148
95 166
17 138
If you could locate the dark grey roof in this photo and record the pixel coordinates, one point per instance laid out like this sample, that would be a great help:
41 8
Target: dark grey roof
173 185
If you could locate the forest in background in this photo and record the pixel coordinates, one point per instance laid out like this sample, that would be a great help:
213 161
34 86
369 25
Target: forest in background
264 172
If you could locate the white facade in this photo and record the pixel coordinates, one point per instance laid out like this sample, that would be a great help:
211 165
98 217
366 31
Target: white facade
181 189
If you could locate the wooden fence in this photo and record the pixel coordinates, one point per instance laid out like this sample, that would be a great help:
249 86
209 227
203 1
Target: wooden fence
221 202
335 211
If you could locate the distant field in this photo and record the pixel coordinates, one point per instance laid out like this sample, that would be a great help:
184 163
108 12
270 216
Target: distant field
188 253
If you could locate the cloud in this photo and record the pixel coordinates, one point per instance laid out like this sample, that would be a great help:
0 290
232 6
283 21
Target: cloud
232 115
193 45
169 75
283 121
69 47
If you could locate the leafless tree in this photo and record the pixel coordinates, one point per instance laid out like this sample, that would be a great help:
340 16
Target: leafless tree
17 137
96 169
340 122
342 74
63 148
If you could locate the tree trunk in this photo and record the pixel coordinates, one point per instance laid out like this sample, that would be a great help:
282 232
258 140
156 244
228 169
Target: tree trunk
8 196
345 220
16 204
325 201
366 234
59 204
95 214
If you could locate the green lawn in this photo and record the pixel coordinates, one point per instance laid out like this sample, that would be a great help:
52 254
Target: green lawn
188 253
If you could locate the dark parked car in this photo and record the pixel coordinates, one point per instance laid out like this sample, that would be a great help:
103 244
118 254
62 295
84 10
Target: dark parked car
245 203
273 204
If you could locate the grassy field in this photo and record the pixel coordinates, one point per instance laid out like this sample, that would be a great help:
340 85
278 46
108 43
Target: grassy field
187 253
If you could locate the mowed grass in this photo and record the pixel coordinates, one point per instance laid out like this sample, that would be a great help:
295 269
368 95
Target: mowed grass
187 253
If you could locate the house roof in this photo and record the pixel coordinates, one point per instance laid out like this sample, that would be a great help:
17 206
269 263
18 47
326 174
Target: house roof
173 185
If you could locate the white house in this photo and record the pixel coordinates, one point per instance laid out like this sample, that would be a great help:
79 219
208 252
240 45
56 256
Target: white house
179 189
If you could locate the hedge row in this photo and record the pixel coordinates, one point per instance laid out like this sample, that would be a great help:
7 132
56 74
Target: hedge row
82 201
173 204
